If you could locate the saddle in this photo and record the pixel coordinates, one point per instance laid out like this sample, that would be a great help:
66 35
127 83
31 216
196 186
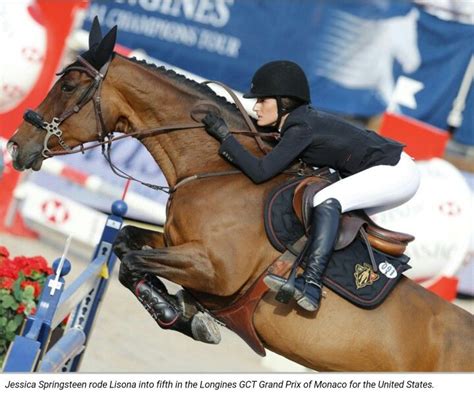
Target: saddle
387 241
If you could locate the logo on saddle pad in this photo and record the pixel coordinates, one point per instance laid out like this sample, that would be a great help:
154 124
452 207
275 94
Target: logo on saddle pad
364 275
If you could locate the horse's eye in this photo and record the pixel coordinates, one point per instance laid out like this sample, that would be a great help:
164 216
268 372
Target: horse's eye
67 87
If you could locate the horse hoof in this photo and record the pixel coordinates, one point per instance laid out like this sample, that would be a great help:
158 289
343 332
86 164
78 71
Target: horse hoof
205 329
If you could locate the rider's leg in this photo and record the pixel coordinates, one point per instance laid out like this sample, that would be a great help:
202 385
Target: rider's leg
322 238
323 234
375 189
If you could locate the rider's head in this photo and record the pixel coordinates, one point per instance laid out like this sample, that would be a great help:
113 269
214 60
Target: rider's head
279 87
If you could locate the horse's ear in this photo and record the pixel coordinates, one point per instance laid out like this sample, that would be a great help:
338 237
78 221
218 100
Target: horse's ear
106 48
95 35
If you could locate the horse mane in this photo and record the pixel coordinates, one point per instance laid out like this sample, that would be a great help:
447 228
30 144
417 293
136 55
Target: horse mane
202 89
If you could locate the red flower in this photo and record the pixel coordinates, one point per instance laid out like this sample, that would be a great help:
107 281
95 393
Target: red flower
8 269
6 283
38 263
4 252
21 309
28 265
22 263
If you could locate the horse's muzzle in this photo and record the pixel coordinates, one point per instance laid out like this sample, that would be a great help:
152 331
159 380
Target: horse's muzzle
25 159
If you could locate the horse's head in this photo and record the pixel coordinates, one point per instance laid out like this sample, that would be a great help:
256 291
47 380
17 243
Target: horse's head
70 114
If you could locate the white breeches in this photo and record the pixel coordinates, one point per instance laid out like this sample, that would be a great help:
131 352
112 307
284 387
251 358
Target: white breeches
375 189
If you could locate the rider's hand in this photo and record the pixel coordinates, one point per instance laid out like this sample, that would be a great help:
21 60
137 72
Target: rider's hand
216 126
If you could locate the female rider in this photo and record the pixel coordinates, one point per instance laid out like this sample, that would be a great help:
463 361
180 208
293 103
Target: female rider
376 174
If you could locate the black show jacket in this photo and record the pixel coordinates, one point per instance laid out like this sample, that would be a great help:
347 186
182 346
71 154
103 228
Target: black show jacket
319 139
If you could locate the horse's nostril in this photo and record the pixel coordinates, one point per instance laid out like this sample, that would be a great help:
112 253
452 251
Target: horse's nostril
12 149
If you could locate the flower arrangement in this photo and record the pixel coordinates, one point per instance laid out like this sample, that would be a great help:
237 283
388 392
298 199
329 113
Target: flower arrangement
21 281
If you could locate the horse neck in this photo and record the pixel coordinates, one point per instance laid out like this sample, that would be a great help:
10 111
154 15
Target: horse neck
153 98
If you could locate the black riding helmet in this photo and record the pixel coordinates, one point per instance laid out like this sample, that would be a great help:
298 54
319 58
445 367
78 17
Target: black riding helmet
280 79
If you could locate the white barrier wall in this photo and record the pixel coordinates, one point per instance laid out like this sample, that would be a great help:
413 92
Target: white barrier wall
440 216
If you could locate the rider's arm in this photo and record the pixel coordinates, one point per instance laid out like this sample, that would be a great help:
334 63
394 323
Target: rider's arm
294 141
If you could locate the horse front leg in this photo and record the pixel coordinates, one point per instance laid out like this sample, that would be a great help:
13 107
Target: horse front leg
133 238
139 270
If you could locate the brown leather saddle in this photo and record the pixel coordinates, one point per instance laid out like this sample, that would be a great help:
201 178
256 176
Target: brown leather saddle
387 241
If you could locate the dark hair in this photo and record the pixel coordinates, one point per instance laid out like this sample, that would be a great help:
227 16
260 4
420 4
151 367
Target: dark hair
288 104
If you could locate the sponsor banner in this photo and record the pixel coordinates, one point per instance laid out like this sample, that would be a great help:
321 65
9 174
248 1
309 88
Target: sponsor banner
227 40
353 51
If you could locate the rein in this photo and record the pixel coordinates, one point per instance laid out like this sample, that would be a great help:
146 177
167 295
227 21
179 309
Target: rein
105 139
157 131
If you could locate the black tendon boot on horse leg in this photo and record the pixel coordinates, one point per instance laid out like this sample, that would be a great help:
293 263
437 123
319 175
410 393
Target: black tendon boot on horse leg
323 234
169 312
178 314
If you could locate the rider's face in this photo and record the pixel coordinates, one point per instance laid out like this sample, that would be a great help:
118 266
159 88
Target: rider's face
266 110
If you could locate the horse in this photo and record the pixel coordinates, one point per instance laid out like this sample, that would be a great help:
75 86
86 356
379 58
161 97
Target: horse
214 242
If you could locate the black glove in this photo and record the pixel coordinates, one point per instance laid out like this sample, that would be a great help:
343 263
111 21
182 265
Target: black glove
216 126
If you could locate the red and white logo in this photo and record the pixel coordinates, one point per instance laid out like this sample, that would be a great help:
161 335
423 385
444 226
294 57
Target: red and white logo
55 211
32 54
450 208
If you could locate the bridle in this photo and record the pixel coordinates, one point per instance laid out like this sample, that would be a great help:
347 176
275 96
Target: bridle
91 93
105 138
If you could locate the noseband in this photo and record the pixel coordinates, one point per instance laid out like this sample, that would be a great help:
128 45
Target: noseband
91 93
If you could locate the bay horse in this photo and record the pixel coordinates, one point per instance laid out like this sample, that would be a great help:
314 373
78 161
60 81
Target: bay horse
214 242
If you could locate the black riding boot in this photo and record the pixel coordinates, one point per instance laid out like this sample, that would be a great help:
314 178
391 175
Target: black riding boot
174 312
323 234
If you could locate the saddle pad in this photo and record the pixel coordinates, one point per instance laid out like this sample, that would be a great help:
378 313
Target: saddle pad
281 223
350 274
